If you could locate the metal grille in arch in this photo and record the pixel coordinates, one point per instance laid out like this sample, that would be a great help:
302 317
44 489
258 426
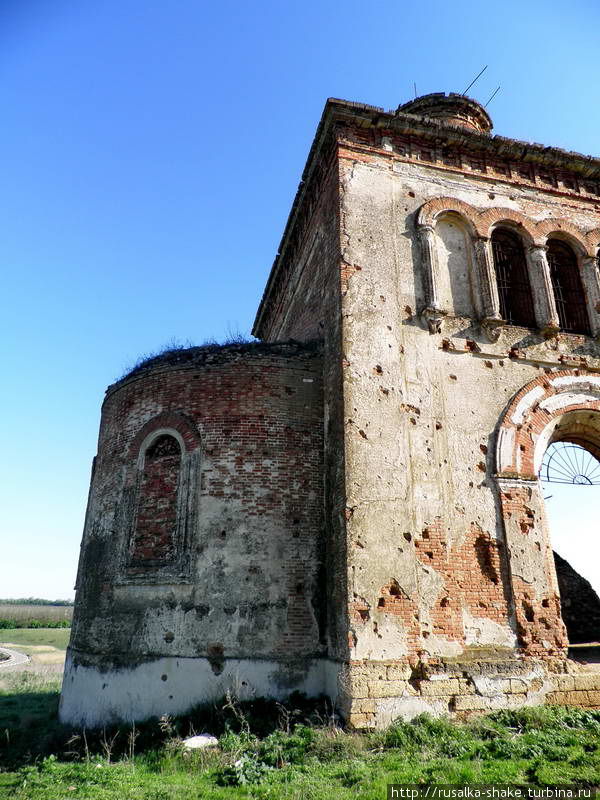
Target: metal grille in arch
565 462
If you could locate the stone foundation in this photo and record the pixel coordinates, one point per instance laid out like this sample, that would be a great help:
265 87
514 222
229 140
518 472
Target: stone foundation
366 694
373 694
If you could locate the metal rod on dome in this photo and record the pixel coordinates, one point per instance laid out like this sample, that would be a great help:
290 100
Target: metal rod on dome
492 97
476 78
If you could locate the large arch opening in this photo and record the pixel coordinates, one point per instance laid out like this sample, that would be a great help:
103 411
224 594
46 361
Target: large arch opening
568 465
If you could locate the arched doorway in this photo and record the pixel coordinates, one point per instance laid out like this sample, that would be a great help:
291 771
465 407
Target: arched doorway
570 476
556 410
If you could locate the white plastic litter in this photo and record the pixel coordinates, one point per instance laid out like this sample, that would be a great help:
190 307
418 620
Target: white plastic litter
198 742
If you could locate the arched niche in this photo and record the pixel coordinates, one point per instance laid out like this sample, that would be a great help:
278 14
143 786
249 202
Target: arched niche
160 502
154 536
456 274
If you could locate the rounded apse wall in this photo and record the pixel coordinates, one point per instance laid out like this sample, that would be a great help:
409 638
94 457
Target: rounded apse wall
203 535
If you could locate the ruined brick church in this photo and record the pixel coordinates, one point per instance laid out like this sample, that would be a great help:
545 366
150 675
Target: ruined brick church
351 505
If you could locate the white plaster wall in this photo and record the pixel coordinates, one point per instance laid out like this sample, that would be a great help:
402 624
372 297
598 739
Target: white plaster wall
93 698
421 418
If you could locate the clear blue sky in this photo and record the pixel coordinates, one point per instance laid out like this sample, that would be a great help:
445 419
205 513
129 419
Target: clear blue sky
150 154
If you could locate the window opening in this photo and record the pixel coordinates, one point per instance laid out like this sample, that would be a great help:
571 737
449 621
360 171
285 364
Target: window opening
514 289
567 287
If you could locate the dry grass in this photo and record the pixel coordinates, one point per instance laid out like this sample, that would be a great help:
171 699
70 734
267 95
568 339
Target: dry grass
24 613
31 678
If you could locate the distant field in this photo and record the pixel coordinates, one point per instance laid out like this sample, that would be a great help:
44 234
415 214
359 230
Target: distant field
53 637
24 615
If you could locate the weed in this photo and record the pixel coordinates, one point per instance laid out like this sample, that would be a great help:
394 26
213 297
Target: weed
281 748
440 737
335 744
247 769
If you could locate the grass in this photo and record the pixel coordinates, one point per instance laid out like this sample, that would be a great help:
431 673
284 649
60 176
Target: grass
24 637
270 752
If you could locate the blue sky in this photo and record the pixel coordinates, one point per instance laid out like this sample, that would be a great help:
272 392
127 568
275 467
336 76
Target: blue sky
150 154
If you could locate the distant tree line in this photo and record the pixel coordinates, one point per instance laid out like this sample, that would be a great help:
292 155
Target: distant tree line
35 601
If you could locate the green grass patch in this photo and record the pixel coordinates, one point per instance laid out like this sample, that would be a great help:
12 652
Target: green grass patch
270 751
54 637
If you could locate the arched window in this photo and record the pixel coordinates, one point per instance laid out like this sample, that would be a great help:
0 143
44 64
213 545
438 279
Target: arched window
153 541
514 289
567 287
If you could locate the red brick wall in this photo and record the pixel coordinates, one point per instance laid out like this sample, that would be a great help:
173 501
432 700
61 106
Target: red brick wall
304 303
474 578
250 420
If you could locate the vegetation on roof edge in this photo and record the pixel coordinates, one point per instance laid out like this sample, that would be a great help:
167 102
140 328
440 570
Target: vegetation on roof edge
175 352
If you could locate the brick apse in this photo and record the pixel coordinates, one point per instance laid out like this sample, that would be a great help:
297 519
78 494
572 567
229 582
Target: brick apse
350 505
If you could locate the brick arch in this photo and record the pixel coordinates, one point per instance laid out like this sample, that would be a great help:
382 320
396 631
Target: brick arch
493 217
565 230
432 209
592 239
526 425
557 406
184 426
